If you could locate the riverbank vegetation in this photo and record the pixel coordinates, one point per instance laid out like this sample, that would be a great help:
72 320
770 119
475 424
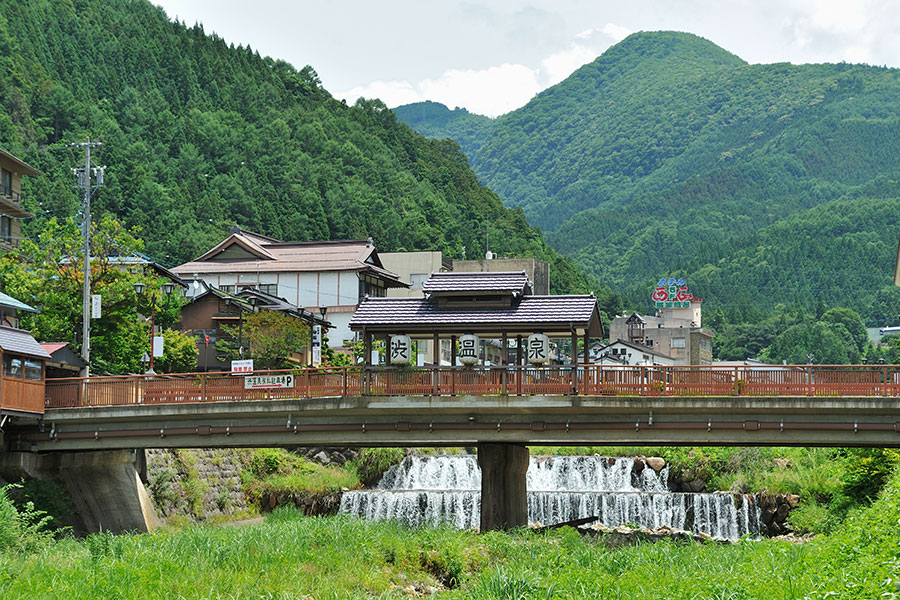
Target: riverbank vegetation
291 556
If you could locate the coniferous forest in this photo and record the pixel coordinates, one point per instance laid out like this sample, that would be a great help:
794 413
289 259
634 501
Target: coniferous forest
199 135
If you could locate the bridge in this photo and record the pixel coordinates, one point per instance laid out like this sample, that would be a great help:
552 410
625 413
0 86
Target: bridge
500 410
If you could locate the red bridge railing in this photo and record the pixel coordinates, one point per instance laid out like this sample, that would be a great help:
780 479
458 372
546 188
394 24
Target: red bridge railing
588 380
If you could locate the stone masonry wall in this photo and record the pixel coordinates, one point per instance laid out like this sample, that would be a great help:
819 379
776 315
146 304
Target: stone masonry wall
197 483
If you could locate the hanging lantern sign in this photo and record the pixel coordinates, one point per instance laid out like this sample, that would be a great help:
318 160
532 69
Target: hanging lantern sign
468 349
401 350
538 349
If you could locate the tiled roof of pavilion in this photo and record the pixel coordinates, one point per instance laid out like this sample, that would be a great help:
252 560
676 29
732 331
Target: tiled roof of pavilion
530 313
515 282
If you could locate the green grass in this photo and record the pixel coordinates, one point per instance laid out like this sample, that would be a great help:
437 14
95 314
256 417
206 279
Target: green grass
273 470
291 556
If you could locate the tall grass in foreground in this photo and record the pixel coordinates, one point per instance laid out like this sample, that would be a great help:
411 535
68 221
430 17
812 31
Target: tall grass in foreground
290 556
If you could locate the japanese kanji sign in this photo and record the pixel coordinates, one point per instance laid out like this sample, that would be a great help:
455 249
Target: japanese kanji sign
672 293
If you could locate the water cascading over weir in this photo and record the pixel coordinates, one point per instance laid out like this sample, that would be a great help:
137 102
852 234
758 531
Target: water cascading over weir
434 489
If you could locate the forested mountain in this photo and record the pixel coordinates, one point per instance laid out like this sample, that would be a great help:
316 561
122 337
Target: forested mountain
198 135
667 155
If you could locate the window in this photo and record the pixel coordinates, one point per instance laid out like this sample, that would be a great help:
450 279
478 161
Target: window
5 228
268 288
12 366
228 289
678 342
370 286
5 182
34 370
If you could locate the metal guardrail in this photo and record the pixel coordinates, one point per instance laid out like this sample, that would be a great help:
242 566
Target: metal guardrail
588 380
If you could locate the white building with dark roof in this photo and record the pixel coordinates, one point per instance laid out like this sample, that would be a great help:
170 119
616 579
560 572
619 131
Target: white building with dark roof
335 275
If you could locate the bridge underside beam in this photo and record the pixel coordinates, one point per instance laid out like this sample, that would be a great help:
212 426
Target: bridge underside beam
467 420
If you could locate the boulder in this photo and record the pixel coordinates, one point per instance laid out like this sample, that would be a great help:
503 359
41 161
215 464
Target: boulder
656 463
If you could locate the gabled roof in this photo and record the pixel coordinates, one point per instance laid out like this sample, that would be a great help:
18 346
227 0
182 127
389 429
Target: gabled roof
460 283
270 255
19 341
531 314
24 168
10 302
269 302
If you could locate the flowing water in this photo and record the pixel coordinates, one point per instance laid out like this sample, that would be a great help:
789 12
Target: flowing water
447 488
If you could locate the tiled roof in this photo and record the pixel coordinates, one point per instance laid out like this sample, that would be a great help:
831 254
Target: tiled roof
19 341
442 283
274 256
423 313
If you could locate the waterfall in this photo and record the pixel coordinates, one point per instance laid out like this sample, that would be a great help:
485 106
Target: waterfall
447 488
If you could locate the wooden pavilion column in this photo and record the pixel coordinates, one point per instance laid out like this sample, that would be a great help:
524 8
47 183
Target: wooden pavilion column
452 350
436 354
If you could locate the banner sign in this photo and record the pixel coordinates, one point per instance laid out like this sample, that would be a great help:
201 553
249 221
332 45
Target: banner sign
157 346
241 366
672 293
96 311
267 382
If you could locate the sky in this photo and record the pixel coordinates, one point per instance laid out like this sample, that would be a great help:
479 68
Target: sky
493 57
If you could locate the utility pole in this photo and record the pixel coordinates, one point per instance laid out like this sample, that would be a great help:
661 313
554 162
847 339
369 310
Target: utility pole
84 182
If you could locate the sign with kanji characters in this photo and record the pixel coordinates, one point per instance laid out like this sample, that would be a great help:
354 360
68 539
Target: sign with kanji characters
241 366
672 293
96 309
468 349
538 348
265 382
316 344
401 350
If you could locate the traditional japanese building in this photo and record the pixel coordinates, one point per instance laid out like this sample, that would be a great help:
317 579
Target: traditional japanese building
463 306
11 212
335 275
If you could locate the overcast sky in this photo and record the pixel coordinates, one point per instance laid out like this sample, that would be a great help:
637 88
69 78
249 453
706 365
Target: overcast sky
492 57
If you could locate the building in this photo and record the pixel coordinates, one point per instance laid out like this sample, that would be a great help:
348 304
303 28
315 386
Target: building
538 271
23 370
414 267
621 352
675 331
11 212
64 361
335 275
209 309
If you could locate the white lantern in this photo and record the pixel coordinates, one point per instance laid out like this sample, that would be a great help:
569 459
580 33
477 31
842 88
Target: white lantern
538 349
401 350
468 349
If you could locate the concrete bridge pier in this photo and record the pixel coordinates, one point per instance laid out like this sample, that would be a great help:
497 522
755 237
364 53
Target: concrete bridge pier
504 503
105 487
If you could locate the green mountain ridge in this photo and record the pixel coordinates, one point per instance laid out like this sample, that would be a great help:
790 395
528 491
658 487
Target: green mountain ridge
670 156
199 135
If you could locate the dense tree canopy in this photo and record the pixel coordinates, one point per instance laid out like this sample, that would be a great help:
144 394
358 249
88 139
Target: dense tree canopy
199 135
668 156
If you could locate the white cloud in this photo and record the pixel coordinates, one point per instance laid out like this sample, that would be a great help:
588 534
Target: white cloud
557 67
616 32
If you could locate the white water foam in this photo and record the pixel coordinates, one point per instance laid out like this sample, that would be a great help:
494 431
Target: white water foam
434 489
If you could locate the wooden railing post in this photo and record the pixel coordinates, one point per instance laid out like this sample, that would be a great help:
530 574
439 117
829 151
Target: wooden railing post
737 383
203 387
503 379
809 381
308 392
436 378
344 377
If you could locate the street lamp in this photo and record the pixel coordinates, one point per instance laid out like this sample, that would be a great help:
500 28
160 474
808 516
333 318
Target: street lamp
167 288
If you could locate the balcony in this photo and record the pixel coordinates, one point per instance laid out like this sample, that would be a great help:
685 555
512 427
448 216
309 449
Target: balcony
11 203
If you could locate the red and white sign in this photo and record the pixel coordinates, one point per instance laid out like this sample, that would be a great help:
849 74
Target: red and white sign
241 366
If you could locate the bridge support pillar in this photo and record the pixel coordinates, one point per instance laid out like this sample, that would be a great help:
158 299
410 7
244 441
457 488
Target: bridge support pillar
105 487
504 503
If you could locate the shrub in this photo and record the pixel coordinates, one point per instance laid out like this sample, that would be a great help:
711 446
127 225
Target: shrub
371 463
21 528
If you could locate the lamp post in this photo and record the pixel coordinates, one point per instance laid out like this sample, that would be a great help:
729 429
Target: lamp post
167 288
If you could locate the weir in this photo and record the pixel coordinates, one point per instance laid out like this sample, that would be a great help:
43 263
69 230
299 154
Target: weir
434 489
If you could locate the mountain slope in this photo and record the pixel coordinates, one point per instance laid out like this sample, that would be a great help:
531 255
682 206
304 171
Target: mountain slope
668 154
198 135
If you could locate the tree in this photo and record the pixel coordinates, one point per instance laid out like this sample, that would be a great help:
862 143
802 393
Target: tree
48 273
813 342
850 319
274 338
179 353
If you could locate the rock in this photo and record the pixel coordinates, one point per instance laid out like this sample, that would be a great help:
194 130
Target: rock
783 511
768 514
638 466
793 500
783 463
656 463
695 485
322 458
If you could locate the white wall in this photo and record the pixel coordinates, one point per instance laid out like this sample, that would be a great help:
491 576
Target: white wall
349 292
